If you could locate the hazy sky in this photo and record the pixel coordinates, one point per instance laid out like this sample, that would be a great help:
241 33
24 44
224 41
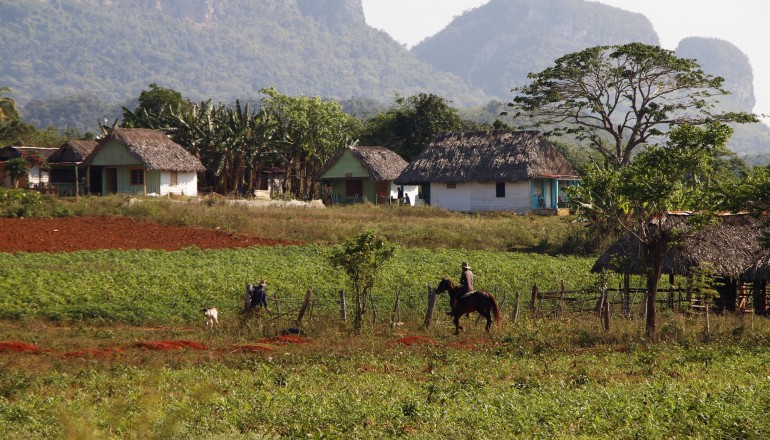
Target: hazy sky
743 23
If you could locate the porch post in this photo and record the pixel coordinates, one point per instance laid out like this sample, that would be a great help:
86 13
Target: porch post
77 189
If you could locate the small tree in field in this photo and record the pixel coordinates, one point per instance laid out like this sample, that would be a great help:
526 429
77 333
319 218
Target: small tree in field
362 258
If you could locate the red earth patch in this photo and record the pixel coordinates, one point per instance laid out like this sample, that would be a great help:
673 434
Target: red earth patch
171 345
18 347
68 234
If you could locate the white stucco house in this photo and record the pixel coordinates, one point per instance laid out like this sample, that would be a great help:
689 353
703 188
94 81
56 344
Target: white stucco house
492 171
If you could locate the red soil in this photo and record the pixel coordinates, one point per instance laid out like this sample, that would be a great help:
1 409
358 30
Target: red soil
14 346
415 340
90 233
171 345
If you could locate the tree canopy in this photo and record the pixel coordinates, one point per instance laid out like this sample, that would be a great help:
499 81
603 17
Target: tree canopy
620 97
409 126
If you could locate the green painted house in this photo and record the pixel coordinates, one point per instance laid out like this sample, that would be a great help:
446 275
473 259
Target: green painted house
364 174
141 161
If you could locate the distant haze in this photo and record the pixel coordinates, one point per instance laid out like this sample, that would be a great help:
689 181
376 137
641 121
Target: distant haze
741 22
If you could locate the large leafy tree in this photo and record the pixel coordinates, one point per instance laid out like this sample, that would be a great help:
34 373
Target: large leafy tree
304 132
620 97
156 109
410 125
682 175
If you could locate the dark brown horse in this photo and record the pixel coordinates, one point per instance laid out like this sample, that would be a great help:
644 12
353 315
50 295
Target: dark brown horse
479 301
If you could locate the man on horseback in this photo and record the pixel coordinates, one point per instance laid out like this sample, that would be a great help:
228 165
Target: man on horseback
466 282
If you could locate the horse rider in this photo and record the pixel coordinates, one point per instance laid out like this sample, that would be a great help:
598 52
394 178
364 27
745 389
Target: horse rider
259 296
466 282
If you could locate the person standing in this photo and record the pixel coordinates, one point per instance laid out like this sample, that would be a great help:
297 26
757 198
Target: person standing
259 297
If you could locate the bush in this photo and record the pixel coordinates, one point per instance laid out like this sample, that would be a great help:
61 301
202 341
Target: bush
26 203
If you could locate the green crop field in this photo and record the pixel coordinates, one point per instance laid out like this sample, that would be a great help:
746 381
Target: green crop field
113 344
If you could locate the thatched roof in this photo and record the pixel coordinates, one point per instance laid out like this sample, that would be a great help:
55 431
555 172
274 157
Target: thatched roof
760 270
72 152
380 162
729 246
13 151
487 156
153 148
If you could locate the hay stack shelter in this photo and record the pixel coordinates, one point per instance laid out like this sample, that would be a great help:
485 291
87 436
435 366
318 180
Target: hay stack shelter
141 161
65 163
729 247
492 171
358 174
36 177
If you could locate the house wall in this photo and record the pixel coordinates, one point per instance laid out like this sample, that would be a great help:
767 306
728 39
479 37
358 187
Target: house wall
476 196
113 154
186 183
347 166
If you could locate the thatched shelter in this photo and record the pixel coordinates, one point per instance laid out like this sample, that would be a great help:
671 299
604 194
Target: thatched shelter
491 170
141 161
65 163
358 173
728 247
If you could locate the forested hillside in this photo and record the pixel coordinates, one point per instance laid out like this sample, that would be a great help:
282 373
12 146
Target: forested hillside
69 63
220 49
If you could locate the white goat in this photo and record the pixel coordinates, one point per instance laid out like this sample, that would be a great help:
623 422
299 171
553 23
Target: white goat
212 316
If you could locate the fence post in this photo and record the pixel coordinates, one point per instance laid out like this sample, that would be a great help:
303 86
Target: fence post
515 314
305 303
396 315
431 306
606 310
374 308
533 300
343 310
627 295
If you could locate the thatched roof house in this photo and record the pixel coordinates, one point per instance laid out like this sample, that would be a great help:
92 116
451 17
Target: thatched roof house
729 247
360 173
72 152
493 170
64 162
152 148
141 161
759 271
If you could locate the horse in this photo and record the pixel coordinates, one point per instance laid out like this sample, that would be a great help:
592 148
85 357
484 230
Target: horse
478 301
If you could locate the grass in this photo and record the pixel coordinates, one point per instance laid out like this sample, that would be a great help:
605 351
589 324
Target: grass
425 227
536 378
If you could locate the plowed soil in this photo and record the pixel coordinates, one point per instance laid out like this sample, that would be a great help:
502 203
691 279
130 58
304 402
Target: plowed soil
90 233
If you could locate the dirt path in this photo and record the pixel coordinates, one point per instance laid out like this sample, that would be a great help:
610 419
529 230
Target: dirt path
90 233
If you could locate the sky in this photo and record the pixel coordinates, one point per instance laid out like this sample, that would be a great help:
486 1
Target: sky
743 23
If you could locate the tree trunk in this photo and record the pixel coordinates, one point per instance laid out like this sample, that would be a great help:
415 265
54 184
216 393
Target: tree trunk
655 253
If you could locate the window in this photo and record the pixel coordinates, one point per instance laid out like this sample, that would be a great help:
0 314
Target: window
353 188
173 179
451 185
500 189
137 176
